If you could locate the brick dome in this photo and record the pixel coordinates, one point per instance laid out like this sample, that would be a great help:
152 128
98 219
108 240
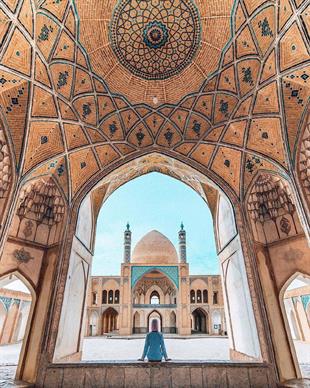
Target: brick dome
154 248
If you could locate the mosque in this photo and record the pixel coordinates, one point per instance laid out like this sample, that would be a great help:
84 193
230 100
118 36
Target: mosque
155 284
214 93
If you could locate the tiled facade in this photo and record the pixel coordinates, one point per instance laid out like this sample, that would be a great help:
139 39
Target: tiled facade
155 271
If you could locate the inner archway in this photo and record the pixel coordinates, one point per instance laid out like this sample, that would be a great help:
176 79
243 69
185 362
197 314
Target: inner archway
295 301
17 300
109 320
200 320
154 315
154 298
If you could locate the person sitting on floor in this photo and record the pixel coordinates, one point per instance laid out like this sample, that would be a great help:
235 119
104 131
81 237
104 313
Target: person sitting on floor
154 348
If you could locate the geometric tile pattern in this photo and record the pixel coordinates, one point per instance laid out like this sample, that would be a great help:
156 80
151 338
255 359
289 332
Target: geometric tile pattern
171 271
64 119
152 49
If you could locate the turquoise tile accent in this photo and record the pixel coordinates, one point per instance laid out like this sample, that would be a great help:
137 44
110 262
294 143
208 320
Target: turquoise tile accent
137 271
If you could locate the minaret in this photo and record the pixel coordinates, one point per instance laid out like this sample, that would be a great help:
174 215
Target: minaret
127 244
182 244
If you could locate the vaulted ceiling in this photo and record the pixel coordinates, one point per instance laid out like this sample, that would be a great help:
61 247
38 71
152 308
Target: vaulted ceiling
87 84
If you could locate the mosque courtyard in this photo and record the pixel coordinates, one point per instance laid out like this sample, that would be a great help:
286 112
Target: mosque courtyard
130 348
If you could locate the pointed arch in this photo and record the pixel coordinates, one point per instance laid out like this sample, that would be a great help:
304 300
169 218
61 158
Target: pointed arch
136 326
200 320
293 322
155 314
28 284
109 320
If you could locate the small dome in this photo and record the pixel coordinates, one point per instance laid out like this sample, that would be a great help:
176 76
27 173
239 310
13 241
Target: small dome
154 248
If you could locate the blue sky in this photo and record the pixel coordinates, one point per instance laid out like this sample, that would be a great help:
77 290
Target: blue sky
155 201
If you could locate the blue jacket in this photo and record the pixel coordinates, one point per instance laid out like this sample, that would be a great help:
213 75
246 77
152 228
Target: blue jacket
154 347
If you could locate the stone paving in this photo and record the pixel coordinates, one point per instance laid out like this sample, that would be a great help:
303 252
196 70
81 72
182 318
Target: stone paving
7 374
199 348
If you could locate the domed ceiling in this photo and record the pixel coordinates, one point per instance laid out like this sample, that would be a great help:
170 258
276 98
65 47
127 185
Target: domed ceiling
143 49
221 86
155 39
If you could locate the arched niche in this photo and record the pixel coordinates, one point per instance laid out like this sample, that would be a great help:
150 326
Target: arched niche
136 323
294 314
272 209
33 246
93 323
173 322
281 249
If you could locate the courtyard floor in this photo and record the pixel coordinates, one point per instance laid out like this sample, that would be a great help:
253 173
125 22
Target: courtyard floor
103 348
198 348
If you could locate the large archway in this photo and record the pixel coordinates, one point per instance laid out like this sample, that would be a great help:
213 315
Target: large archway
246 340
236 266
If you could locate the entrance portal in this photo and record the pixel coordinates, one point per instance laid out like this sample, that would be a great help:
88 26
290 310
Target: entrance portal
154 315
199 321
109 320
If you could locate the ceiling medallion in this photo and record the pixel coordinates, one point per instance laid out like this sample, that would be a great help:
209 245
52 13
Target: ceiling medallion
155 39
